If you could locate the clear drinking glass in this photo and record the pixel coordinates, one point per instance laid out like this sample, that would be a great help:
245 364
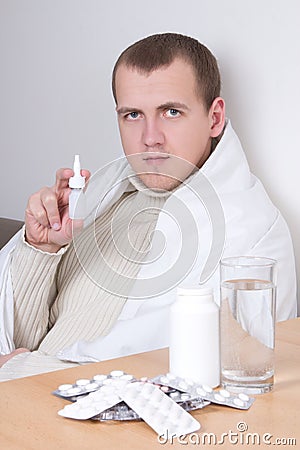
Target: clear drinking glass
247 323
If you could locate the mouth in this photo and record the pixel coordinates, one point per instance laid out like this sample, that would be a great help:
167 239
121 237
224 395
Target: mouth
158 158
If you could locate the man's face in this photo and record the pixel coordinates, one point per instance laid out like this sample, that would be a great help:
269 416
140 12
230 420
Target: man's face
165 128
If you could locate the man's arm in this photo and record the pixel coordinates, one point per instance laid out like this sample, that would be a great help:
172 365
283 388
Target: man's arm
33 275
48 231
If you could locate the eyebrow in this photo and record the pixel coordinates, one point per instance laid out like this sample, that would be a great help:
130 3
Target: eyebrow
163 106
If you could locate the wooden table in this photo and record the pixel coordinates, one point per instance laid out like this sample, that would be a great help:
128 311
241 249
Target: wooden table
29 420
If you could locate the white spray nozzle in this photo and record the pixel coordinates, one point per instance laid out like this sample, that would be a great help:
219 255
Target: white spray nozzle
77 181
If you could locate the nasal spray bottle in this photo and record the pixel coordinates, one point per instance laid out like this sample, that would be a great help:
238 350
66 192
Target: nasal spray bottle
76 198
194 336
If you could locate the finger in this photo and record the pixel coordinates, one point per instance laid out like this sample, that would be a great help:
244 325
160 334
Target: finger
36 210
62 179
87 174
50 206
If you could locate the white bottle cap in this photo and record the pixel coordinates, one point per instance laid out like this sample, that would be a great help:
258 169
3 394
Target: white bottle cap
77 181
194 290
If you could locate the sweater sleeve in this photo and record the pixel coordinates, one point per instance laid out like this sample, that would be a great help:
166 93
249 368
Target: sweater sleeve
27 364
33 274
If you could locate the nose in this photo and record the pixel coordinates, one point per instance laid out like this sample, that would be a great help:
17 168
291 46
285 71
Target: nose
153 135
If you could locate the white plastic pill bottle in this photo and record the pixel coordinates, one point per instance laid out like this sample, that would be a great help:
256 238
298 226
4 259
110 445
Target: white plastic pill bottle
194 336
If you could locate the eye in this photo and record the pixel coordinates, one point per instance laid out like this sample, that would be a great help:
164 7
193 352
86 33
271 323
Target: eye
132 115
172 112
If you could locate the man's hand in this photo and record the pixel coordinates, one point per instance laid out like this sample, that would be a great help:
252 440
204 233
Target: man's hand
5 358
47 223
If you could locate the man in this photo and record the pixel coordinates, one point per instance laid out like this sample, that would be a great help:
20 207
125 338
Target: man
107 292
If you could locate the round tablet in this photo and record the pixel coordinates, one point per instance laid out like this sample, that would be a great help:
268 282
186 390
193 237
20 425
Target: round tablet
99 377
107 381
238 402
225 393
164 388
183 385
219 398
82 382
207 388
164 380
64 387
126 377
201 391
116 373
144 379
244 397
91 386
170 376
175 395
185 397
74 391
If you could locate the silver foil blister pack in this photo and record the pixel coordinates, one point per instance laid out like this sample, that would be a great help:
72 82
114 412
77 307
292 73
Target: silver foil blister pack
195 390
163 401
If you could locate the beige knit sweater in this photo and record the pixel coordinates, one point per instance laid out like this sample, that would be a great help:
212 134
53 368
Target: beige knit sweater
79 292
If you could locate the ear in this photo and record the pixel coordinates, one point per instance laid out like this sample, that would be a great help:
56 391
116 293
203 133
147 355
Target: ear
217 116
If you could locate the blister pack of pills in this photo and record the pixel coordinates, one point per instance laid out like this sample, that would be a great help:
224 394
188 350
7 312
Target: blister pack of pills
195 390
158 410
82 387
145 399
90 405
84 393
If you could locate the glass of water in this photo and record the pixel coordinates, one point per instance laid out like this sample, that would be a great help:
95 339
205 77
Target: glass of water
247 323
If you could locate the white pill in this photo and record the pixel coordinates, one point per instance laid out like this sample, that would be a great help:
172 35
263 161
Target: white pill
64 387
238 402
244 397
107 389
175 395
163 380
144 379
219 398
127 377
107 381
185 397
207 388
82 382
183 385
170 376
116 373
91 386
74 391
225 393
164 389
100 377
201 392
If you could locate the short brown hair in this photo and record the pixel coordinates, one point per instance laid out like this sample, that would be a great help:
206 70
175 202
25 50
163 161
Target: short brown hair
160 50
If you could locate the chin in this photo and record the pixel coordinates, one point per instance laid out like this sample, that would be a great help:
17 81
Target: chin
158 182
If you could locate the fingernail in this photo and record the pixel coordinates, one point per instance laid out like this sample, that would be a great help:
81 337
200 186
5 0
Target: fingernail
56 226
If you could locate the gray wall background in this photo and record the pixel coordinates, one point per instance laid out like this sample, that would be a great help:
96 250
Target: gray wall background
56 58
